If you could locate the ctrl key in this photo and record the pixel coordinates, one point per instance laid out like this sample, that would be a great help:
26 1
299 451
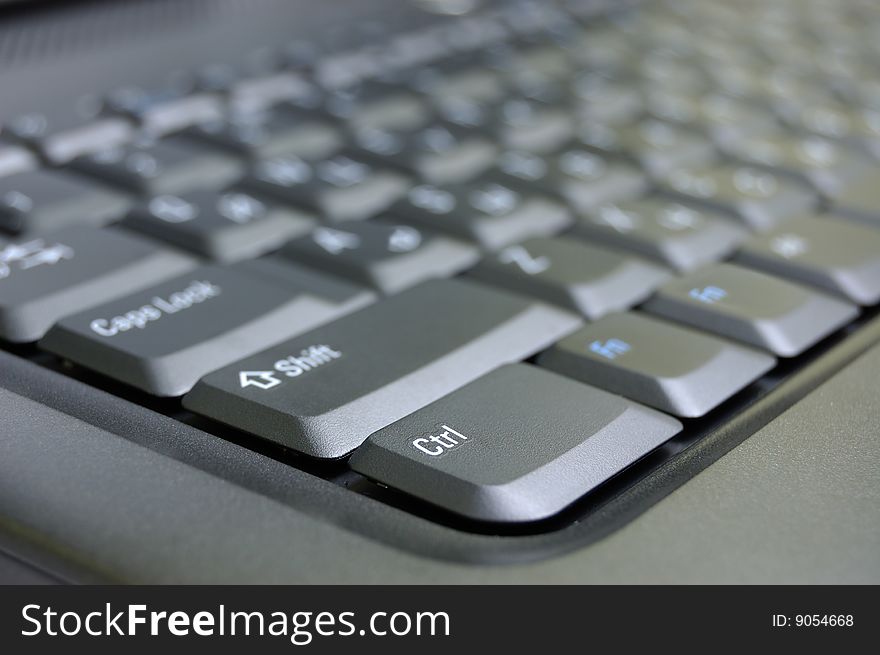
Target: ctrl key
519 444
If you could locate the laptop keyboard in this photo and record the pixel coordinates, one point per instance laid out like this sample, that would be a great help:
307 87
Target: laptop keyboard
477 282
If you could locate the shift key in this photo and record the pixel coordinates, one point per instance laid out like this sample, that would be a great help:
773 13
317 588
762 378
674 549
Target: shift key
325 392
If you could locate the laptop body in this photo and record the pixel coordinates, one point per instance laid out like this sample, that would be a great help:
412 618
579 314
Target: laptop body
109 478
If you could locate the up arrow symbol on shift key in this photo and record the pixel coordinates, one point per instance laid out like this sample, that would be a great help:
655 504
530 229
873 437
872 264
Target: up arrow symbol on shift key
260 379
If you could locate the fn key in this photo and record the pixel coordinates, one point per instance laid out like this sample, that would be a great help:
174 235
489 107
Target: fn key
519 444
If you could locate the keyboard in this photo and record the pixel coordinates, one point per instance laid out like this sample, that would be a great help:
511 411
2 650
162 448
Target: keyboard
489 272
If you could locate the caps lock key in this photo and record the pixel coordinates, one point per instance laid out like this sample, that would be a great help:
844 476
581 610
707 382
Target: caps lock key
66 271
164 338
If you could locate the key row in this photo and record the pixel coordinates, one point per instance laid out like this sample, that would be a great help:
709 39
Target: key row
589 278
524 195
421 361
546 56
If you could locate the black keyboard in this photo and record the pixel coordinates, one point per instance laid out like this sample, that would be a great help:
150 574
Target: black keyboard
490 280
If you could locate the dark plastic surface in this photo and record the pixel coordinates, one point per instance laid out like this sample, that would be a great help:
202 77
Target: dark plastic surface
303 527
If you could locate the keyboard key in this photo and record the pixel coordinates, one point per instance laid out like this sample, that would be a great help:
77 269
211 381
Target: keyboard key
762 200
467 84
727 118
522 124
517 445
43 200
281 130
531 118
829 166
676 369
386 257
837 255
325 392
604 48
590 280
165 111
860 202
488 214
677 71
788 91
62 137
224 226
340 189
14 159
657 146
752 307
724 118
67 271
681 236
860 127
163 339
378 105
607 101
583 179
260 92
168 166
436 154
540 61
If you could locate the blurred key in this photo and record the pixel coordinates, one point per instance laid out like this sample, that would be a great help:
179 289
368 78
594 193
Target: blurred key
592 281
676 369
281 130
681 236
762 200
488 214
859 127
14 159
528 125
789 90
860 202
325 392
657 146
225 226
167 166
604 47
829 166
470 454
164 111
517 123
164 338
340 189
64 272
606 101
583 179
541 60
64 135
834 254
752 307
45 200
386 257
437 154
673 70
471 84
376 104
249 94
724 118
